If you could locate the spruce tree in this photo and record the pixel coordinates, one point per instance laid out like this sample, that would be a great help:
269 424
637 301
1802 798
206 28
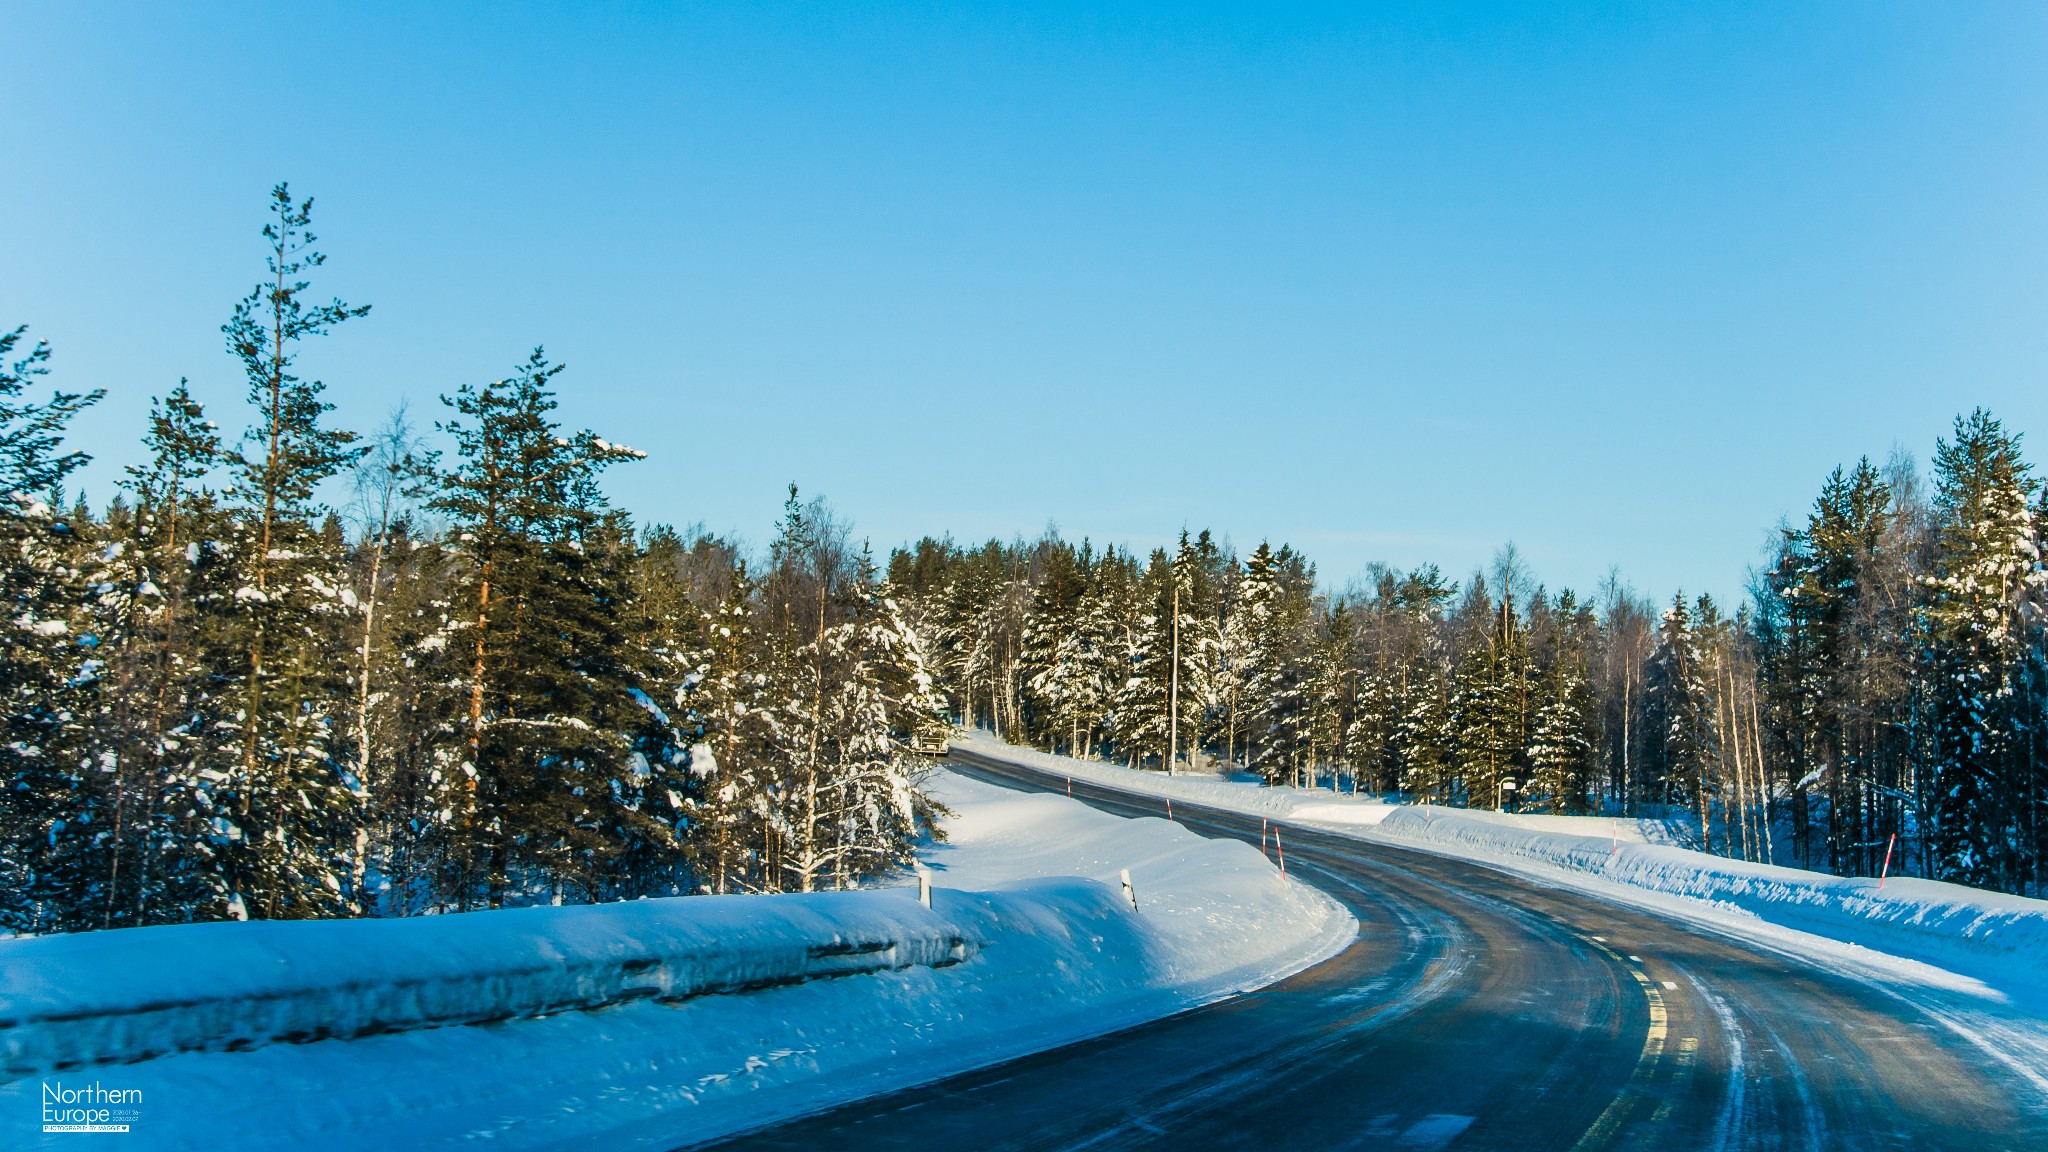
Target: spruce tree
1268 636
1094 658
841 804
1560 751
726 693
1141 697
644 663
1246 636
1562 743
163 865
50 811
1986 560
1489 698
1194 640
1331 694
1846 633
1680 704
1048 658
1426 740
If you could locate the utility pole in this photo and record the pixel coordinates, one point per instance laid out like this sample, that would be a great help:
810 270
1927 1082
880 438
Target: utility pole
1173 686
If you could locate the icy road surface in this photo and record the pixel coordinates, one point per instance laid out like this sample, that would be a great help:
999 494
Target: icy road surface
1482 1009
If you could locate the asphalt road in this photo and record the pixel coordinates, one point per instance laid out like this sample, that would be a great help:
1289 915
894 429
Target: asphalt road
1475 1010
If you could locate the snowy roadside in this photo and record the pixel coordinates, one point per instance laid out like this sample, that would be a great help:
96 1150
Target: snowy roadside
1029 945
1970 958
1292 804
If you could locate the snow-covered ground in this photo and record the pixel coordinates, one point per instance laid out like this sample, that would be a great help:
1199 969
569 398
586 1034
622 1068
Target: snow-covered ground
1989 935
655 1023
1317 806
1977 961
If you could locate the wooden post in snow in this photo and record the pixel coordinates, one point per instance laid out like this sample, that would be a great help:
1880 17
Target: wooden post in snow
1173 692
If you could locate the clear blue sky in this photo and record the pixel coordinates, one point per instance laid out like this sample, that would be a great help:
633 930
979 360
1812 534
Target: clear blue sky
1401 282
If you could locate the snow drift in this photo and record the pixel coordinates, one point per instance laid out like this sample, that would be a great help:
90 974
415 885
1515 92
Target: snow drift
658 1023
132 994
1990 935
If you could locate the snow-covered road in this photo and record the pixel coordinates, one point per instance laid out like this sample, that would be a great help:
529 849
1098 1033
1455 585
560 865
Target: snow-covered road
1510 1004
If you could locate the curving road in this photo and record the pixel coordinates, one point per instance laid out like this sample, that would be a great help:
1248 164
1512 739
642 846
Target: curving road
1475 1010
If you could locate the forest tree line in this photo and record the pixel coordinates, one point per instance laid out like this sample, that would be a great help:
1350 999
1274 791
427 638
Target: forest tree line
1876 702
476 683
227 701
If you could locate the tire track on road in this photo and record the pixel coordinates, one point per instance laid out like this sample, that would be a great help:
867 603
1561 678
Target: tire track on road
1477 1009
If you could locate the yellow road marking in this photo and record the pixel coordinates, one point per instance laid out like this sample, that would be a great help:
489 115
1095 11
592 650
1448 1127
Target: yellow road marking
1609 1121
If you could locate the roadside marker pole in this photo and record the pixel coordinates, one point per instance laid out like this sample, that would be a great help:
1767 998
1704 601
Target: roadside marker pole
1169 807
1887 861
1262 835
1617 838
1282 850
1070 787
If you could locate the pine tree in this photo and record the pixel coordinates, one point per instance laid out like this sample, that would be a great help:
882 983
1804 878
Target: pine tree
545 730
295 805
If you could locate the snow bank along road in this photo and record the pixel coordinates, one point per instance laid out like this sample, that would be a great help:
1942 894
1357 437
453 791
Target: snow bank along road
650 1023
1480 1009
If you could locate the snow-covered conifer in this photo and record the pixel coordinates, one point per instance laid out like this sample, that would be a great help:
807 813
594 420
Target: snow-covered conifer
1986 561
51 813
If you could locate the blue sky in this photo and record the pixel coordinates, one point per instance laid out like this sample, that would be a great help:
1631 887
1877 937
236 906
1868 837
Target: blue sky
1397 282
